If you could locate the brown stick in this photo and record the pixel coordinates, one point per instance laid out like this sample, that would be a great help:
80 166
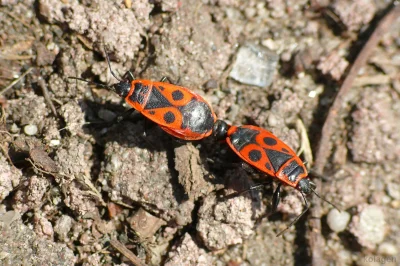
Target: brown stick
324 149
126 252
43 86
16 81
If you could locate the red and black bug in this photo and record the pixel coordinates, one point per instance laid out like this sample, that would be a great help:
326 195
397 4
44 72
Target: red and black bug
177 110
266 152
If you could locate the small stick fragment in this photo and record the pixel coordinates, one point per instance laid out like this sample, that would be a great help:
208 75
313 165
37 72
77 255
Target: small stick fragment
16 81
46 95
126 252
128 3
372 80
85 41
305 146
18 19
12 57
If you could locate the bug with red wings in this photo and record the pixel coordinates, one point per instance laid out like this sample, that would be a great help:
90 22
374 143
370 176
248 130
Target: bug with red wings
267 153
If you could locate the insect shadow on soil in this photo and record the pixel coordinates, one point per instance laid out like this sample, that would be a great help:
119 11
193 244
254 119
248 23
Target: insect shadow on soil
133 131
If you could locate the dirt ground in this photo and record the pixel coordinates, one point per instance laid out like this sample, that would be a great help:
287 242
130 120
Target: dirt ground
77 188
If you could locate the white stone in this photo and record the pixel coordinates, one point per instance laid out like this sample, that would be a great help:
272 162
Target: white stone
30 130
338 221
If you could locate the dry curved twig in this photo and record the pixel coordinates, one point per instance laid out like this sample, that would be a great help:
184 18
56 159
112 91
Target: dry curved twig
316 241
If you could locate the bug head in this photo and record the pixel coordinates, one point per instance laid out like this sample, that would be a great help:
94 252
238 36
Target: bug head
220 129
306 186
122 88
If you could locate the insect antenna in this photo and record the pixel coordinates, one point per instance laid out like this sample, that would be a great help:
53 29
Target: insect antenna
298 217
306 209
92 83
327 201
109 64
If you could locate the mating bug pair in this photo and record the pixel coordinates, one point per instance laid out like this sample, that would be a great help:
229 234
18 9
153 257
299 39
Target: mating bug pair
188 116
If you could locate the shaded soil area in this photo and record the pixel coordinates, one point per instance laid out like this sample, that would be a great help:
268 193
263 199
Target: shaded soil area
80 186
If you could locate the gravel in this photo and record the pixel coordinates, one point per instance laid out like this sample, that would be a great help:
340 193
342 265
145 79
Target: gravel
338 221
30 130
255 65
369 226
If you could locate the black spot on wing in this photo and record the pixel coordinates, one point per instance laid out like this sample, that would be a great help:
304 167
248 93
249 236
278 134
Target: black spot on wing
270 141
169 117
255 155
177 95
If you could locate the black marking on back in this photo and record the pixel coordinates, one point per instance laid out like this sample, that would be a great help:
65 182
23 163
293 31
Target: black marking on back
156 100
277 158
169 117
242 137
197 116
270 141
161 88
152 112
293 170
255 155
177 95
268 166
138 93
284 150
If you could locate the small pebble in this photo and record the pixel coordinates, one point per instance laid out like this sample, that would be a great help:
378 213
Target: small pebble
344 257
97 247
369 226
85 238
30 130
270 44
393 190
250 12
387 249
63 226
289 236
14 128
272 120
338 221
211 84
395 204
255 65
385 199
54 143
116 162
